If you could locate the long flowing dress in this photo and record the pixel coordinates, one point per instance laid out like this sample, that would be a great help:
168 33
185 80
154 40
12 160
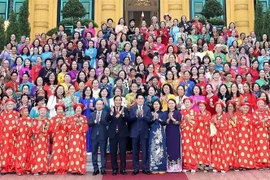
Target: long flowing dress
69 111
232 139
87 112
261 138
77 127
157 144
8 121
173 143
203 138
23 145
218 144
245 141
59 158
40 144
189 140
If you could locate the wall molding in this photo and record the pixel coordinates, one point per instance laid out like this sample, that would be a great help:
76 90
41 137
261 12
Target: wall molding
43 24
240 7
242 23
175 7
106 7
44 7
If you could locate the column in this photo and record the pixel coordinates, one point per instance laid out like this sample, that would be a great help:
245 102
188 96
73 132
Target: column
175 7
242 13
105 9
43 15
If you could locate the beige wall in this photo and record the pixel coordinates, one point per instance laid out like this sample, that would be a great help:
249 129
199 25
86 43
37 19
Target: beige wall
175 8
43 15
242 13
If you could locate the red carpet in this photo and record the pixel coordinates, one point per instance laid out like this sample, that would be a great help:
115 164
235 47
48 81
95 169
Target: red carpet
140 176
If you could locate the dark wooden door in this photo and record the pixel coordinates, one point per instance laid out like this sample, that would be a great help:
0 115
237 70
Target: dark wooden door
133 9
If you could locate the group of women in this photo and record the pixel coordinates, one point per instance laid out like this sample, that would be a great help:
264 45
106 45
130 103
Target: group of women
230 139
209 87
25 142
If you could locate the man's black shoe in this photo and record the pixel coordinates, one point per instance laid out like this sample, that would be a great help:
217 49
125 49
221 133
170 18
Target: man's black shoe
135 172
114 173
96 172
146 172
103 172
123 172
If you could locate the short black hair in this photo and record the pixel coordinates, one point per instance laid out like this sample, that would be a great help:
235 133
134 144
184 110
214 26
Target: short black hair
117 97
109 19
138 95
139 75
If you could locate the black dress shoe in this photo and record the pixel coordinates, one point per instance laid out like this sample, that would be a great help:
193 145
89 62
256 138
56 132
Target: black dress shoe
135 172
123 172
95 172
147 172
103 172
114 173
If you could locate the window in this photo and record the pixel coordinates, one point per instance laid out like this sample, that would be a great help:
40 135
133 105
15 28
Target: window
17 4
87 4
88 7
265 4
4 9
197 6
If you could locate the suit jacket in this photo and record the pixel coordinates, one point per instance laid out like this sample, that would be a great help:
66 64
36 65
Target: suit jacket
101 127
140 125
122 124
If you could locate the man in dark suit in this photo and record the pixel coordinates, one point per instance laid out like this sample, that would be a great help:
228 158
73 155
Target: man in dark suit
118 134
140 117
98 122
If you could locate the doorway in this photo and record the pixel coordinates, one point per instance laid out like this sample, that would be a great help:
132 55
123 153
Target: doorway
140 10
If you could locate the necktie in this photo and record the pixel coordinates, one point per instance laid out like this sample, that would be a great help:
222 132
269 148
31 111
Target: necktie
99 113
116 126
98 121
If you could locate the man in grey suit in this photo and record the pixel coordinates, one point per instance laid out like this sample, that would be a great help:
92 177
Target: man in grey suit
99 136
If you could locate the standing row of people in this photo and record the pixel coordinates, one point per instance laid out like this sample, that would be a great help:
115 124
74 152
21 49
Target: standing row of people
192 140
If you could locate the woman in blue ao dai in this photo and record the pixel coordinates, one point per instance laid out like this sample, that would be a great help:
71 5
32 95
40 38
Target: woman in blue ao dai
89 106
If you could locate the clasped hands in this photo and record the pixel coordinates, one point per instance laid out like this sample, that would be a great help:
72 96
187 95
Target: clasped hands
121 112
171 118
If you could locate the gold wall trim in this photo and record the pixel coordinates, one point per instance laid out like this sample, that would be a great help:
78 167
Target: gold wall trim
42 7
175 7
242 23
240 7
43 24
110 7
